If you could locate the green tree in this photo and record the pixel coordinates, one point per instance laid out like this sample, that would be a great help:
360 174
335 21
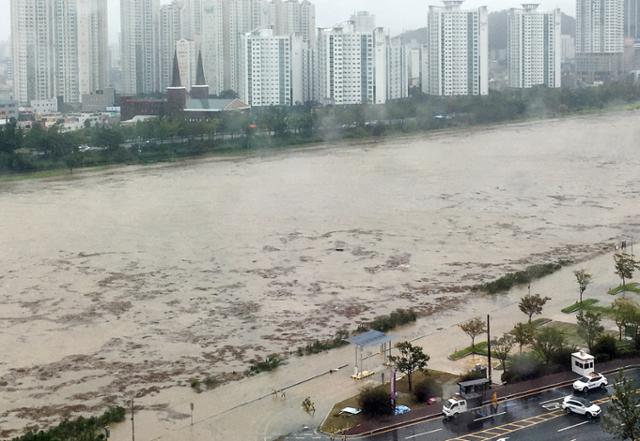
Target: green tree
622 418
473 328
549 341
625 312
589 327
625 264
532 304
523 334
412 358
584 279
502 347
375 402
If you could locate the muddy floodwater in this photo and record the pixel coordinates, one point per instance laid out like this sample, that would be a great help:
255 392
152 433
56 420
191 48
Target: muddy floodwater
135 280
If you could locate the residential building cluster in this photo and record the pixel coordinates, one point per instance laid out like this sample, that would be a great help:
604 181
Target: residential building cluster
271 53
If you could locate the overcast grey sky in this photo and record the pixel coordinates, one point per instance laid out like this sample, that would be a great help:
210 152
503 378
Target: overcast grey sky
396 15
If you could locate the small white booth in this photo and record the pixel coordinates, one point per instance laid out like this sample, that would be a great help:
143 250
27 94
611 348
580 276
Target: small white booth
582 363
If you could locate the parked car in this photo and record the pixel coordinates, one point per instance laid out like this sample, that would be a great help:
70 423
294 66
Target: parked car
581 406
591 381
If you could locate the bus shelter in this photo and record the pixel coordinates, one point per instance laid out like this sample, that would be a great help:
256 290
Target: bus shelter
366 340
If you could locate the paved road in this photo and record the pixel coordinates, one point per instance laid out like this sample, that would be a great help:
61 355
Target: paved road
538 417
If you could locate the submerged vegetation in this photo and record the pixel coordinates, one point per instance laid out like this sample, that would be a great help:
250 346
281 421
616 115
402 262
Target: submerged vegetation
318 346
524 277
388 322
79 429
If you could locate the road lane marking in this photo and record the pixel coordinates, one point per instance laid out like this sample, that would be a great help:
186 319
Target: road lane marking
551 401
571 427
489 416
423 433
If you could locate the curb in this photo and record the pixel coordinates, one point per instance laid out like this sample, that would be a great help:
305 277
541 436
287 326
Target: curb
505 398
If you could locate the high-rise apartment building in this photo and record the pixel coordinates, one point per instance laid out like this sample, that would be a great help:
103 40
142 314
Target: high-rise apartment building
33 57
458 52
534 47
239 18
172 19
390 68
59 48
65 48
187 55
292 16
345 66
93 46
599 39
272 69
397 70
139 44
192 19
632 19
212 41
363 21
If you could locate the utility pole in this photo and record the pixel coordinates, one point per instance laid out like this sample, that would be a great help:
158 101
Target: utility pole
133 430
489 346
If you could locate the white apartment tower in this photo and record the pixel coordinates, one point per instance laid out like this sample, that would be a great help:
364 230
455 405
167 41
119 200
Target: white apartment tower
139 33
172 16
345 66
381 61
397 70
239 18
390 68
291 16
93 46
212 42
32 42
59 48
65 38
534 47
187 54
599 39
457 50
192 19
364 21
272 69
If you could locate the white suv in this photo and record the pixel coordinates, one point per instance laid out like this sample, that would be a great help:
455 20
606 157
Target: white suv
592 381
580 406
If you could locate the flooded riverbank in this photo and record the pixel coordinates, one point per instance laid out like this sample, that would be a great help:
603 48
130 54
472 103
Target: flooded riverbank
128 282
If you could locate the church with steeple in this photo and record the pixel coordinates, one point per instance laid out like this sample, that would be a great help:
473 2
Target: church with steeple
193 105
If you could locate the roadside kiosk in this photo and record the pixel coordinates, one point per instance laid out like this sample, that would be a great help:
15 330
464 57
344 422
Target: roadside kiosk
582 363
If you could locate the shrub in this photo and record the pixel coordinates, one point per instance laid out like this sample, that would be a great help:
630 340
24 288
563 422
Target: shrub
524 277
606 344
268 364
523 367
385 323
473 374
426 389
375 402
562 358
324 345
85 429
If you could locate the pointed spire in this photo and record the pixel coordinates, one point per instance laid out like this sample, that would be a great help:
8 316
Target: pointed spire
176 82
200 79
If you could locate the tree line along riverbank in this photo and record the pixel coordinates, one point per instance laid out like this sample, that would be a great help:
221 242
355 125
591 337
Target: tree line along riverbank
165 139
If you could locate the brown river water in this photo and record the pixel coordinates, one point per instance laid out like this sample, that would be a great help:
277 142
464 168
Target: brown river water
134 280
